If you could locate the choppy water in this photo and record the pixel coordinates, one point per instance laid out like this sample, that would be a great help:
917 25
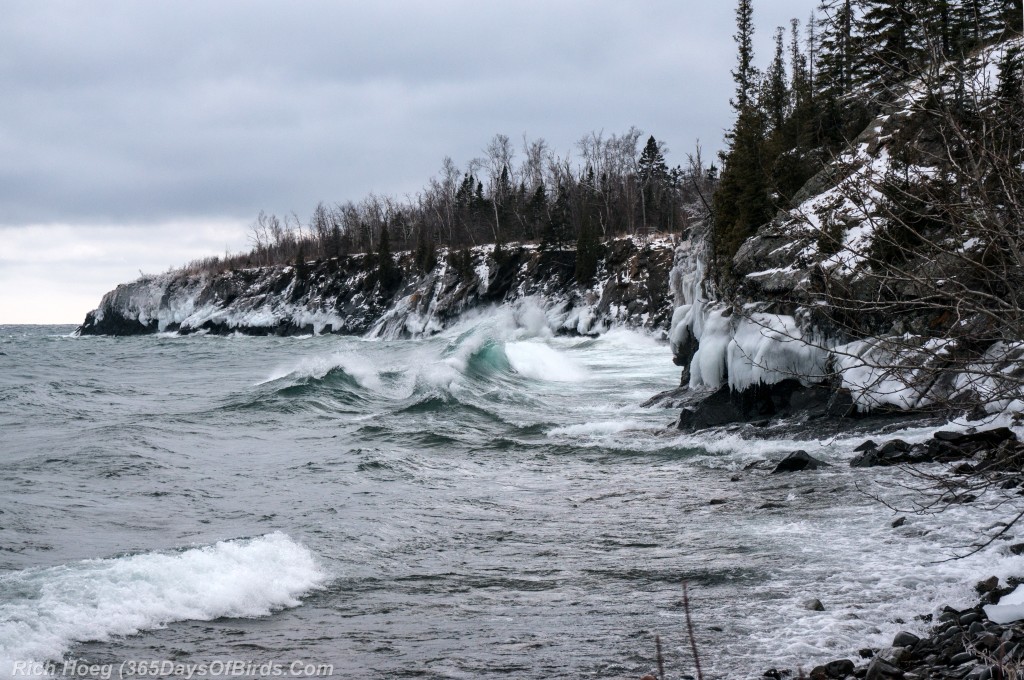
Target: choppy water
488 502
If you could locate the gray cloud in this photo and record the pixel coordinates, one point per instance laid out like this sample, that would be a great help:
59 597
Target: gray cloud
136 113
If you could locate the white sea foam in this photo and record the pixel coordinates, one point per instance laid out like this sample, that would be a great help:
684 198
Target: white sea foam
537 360
45 611
596 429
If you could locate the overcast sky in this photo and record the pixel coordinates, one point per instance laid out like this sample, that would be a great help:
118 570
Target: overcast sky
135 136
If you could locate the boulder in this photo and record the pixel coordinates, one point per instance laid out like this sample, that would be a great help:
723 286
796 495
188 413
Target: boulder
882 670
991 437
905 639
869 458
797 461
814 605
840 668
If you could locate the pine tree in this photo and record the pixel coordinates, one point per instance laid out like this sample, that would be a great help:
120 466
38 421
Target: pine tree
588 251
746 75
557 225
835 48
387 273
1011 78
774 98
890 43
741 203
537 212
1011 15
426 253
652 171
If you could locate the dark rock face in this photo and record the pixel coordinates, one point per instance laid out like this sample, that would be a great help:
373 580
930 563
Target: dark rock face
797 461
764 403
114 322
344 295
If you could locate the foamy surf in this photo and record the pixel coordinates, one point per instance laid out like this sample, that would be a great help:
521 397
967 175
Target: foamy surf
45 611
536 360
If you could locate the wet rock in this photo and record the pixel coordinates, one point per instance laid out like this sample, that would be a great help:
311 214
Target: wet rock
893 655
797 461
991 437
894 446
905 639
961 658
867 446
763 403
979 673
882 670
898 522
988 642
839 669
988 585
717 501
814 605
866 459
969 618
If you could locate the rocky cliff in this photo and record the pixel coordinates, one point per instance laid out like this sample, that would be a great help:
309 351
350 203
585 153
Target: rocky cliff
346 295
885 283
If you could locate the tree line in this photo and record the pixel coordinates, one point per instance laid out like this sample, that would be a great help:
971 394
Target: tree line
614 186
823 85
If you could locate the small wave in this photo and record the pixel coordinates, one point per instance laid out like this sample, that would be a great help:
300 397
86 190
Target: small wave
596 429
347 367
45 611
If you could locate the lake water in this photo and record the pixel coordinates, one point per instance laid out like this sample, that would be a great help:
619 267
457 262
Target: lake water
489 502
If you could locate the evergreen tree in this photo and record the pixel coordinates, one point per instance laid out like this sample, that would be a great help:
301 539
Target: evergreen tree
387 273
537 212
301 270
652 171
746 74
1011 15
835 47
556 230
426 253
741 203
1011 78
588 252
890 43
774 94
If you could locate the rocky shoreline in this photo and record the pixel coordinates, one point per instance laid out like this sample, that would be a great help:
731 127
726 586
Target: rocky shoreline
962 644
346 294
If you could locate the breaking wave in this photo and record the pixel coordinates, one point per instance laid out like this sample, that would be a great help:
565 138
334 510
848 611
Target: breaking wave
45 611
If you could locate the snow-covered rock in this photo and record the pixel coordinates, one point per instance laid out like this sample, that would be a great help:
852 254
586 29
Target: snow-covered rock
342 295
